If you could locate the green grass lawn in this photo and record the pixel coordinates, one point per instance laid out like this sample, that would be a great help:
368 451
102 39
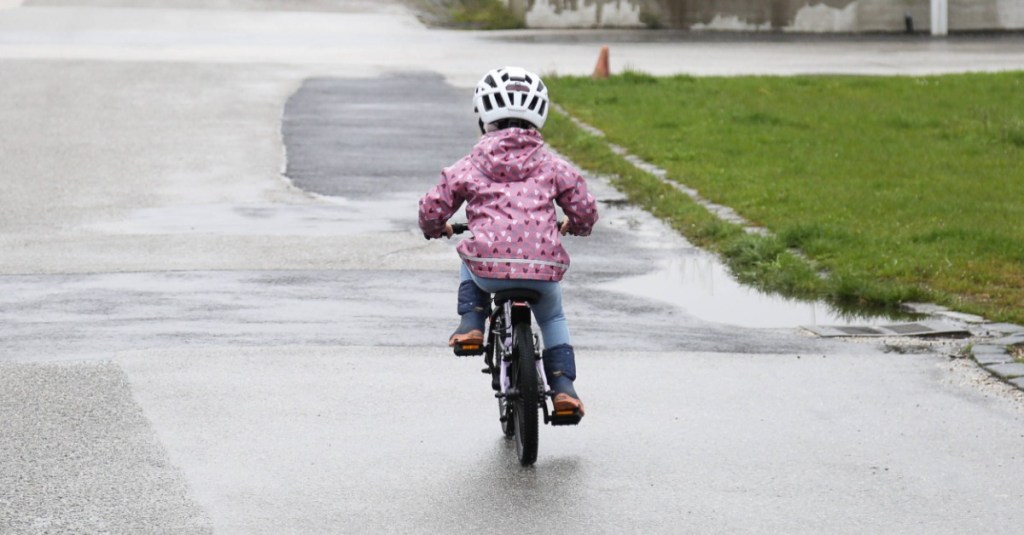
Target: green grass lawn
897 188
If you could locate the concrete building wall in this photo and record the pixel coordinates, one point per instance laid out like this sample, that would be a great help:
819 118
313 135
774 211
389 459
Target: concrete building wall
769 15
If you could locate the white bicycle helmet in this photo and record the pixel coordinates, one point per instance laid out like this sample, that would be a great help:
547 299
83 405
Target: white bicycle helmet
511 93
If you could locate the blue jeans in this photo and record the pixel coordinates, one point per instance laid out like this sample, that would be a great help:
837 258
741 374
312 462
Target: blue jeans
547 310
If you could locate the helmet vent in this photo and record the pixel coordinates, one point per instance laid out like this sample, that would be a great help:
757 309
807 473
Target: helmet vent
540 86
490 81
487 103
504 77
499 100
533 103
543 108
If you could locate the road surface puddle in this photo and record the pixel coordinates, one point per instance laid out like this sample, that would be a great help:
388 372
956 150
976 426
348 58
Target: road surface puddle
702 286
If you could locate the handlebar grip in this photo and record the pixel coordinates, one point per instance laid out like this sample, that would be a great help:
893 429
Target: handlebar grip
457 228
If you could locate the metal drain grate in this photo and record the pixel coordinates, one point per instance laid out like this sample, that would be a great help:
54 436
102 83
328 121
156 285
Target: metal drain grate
859 331
922 328
909 329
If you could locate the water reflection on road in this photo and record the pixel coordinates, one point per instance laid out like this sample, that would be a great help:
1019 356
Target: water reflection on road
701 285
659 264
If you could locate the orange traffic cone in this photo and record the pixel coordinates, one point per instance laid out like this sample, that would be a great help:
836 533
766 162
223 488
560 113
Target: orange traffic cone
601 70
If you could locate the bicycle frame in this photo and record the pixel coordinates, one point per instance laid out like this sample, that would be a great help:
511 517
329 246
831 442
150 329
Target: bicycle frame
511 313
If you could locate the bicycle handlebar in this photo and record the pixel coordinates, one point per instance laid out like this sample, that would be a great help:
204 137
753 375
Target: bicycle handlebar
459 228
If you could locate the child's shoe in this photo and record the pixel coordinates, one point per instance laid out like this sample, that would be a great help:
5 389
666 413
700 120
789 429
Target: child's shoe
566 403
474 307
469 331
560 369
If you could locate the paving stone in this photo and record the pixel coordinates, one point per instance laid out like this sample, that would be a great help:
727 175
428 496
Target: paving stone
960 316
924 308
988 348
988 359
1005 328
1010 340
1007 371
981 331
1018 382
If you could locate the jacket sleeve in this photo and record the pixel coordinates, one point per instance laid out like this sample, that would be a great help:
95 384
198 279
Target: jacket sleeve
439 204
579 206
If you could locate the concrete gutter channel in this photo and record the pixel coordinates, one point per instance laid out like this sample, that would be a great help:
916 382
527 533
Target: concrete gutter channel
989 344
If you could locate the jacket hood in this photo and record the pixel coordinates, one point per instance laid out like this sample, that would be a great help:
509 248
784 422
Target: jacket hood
508 155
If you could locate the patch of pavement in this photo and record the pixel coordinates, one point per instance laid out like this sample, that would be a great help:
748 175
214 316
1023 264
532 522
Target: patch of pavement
366 138
88 316
96 141
305 439
77 455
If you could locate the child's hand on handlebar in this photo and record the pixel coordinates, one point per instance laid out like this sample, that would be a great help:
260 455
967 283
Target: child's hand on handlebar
459 228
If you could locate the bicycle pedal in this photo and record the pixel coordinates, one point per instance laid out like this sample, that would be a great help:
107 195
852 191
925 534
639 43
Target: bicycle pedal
571 417
468 350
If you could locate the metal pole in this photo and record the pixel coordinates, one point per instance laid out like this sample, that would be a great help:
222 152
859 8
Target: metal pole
940 17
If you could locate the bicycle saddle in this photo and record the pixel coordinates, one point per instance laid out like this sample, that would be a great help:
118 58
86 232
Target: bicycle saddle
516 294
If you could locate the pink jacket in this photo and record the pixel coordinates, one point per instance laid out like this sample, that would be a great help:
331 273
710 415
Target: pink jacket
511 182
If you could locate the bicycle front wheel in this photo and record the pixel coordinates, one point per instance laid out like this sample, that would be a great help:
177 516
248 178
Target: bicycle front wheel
527 403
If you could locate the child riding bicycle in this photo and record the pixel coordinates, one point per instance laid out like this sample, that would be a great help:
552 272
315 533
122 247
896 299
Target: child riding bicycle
511 183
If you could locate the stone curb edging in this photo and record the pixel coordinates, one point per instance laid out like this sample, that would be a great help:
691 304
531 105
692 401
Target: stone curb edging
994 356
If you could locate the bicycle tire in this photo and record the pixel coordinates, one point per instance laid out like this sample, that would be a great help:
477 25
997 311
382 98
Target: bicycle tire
527 404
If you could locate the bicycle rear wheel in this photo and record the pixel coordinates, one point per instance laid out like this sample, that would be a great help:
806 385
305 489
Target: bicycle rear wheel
526 405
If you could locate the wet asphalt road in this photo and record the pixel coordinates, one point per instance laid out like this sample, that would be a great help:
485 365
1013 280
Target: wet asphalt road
416 124
193 343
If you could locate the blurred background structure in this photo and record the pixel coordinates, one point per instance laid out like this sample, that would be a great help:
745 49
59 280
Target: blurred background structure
822 16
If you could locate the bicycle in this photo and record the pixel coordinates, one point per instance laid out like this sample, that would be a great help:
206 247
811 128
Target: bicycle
513 360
